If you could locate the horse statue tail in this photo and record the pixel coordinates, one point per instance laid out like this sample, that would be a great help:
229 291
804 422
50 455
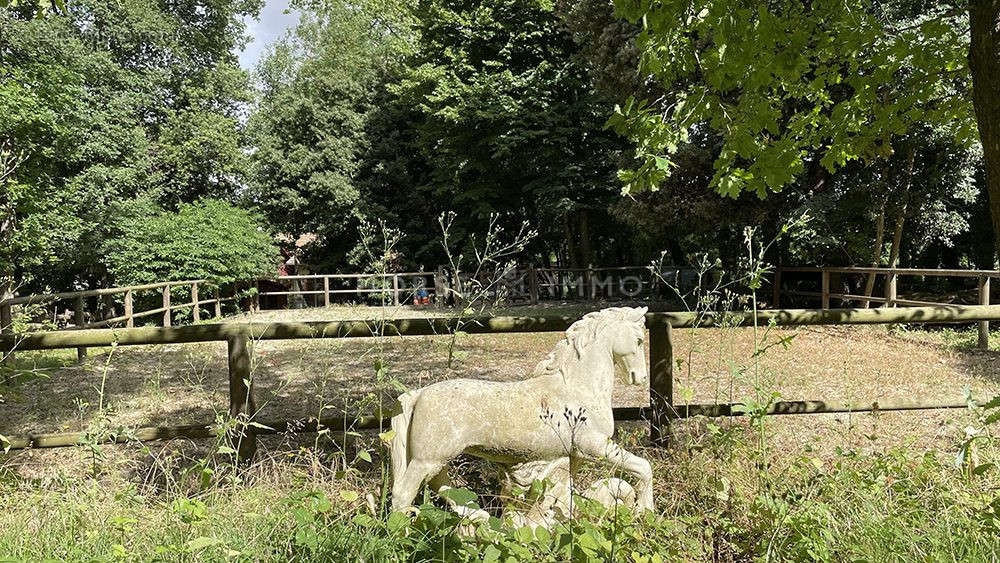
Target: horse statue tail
401 432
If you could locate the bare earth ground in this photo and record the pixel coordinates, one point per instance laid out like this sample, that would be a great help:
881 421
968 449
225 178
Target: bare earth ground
187 384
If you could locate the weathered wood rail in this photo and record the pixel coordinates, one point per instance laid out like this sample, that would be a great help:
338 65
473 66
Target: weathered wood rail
531 284
240 336
889 297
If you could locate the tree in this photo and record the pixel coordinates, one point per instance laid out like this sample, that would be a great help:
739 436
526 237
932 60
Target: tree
984 65
208 239
403 111
924 188
506 120
793 88
317 94
109 101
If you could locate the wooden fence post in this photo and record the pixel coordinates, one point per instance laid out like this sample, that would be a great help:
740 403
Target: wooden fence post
166 305
242 406
326 291
661 383
590 282
395 289
196 312
825 289
984 299
440 291
532 284
81 351
776 289
218 301
129 321
890 289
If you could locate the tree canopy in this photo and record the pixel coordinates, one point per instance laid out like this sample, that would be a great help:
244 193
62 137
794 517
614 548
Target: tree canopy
118 118
105 102
208 239
482 108
790 86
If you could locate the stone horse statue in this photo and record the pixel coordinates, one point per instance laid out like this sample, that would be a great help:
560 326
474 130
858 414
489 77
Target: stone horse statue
561 414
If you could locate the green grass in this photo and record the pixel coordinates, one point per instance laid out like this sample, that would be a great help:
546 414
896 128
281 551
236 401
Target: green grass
723 502
956 338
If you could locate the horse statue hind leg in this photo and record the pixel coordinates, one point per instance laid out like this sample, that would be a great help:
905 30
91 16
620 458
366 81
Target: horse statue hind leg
511 422
430 464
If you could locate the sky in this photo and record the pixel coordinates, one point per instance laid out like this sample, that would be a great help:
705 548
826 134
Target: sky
272 25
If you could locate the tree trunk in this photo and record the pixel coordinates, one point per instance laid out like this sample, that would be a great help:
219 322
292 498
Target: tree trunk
897 239
571 255
876 254
586 252
897 234
984 64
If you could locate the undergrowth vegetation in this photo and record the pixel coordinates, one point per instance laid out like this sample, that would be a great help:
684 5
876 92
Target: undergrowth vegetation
719 500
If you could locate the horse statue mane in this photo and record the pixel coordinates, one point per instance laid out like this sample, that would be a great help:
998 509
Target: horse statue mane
581 334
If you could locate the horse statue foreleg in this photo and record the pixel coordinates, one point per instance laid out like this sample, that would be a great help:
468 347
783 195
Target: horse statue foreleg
602 448
441 483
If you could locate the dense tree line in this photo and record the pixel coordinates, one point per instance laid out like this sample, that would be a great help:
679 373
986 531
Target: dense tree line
501 107
116 117
478 108
111 114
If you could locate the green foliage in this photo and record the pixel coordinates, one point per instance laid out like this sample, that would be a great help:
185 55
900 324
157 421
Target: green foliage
208 239
505 121
892 505
790 86
934 193
402 111
104 102
309 127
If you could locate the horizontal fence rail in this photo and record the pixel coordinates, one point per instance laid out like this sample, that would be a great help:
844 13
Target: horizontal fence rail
84 319
941 272
662 408
355 422
482 324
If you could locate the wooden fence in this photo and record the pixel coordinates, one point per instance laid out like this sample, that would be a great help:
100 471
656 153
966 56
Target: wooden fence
889 297
531 284
396 287
662 409
83 318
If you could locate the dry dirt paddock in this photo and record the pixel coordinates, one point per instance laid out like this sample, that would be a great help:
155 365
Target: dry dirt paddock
187 384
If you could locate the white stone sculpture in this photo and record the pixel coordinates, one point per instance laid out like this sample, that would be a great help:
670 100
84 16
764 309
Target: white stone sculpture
554 501
535 426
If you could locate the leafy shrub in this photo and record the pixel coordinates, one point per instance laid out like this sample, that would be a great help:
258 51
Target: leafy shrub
209 239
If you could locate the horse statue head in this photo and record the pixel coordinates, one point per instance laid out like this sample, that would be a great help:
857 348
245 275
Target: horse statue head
627 343
623 329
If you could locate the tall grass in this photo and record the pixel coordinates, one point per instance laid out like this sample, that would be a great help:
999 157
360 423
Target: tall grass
713 505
